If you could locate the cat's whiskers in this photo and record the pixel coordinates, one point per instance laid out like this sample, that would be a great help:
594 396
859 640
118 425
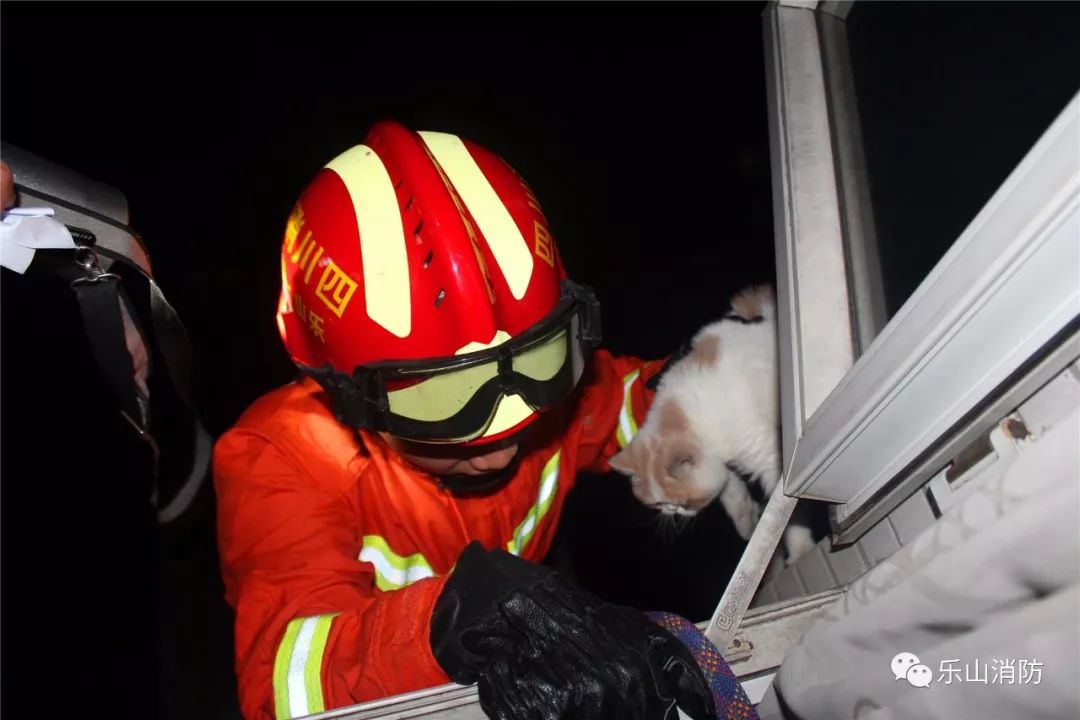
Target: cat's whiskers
672 519
667 527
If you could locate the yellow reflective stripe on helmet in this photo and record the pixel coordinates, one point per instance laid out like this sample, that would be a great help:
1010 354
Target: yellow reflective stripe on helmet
382 238
392 571
298 667
500 231
549 483
627 425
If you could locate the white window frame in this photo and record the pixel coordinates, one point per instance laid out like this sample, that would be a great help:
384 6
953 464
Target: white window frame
1006 294
815 339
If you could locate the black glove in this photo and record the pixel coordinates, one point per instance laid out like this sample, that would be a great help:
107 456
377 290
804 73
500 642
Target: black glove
541 648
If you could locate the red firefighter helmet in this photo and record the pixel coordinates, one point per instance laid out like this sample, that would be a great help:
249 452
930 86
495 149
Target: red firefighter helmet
422 287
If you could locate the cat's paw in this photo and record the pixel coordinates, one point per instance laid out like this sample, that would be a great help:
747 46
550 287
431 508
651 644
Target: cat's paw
746 519
798 540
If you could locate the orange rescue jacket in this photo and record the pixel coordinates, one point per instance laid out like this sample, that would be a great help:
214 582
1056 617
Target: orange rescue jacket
334 549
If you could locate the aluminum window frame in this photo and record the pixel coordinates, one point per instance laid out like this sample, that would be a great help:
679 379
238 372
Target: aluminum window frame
1005 295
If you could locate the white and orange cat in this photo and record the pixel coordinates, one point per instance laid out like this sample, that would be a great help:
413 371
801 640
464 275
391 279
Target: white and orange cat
714 419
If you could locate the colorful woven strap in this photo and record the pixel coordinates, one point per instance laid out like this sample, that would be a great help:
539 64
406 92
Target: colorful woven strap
728 694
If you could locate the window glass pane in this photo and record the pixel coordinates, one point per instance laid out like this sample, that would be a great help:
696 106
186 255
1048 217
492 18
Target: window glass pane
951 96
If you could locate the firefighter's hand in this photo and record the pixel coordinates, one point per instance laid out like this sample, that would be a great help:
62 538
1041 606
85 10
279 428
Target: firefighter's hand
542 648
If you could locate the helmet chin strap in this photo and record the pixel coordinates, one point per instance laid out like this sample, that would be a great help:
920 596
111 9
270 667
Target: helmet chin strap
461 484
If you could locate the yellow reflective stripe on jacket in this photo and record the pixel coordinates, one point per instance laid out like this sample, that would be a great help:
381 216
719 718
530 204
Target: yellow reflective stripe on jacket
627 428
549 483
298 667
392 571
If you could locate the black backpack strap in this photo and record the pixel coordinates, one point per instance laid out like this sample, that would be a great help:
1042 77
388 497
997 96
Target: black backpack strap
99 296
99 303
174 347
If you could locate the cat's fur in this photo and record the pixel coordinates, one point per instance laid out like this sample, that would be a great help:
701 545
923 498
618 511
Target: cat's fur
716 411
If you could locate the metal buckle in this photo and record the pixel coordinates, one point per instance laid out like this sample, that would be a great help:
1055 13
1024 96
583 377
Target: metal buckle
86 257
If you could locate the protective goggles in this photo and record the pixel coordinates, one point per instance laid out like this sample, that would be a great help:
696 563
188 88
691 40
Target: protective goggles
454 399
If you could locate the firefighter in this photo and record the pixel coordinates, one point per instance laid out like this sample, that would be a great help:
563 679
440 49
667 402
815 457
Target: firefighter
382 518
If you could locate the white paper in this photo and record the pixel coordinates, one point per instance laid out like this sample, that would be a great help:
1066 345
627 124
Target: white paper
25 230
30 211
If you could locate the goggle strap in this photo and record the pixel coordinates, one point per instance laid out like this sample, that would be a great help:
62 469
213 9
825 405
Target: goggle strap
347 397
590 331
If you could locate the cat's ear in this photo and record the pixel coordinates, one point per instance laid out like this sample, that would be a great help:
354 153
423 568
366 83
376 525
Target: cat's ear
623 461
